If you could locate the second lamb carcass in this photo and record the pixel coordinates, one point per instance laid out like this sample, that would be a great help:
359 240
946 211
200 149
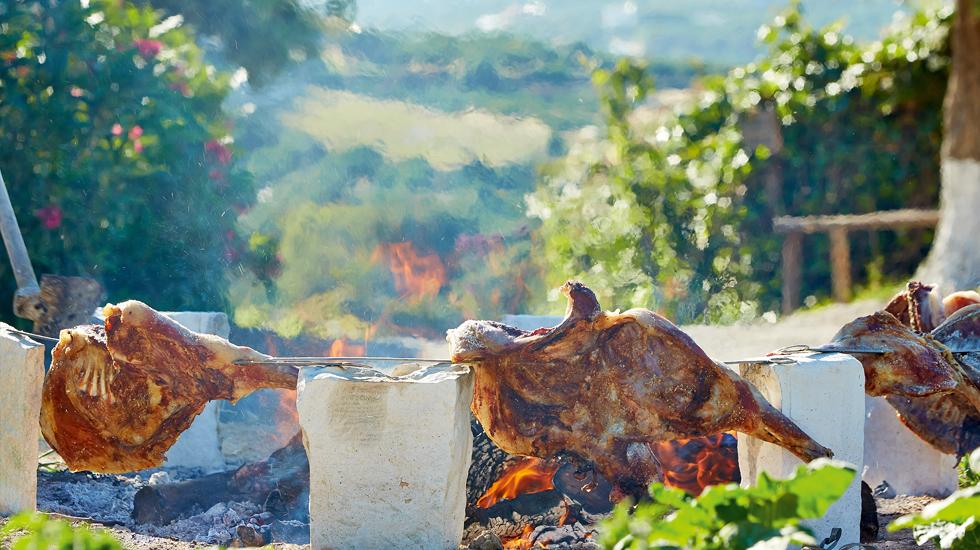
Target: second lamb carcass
116 397
601 386
931 371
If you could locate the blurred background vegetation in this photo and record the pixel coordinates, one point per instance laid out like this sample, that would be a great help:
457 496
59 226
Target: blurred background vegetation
346 170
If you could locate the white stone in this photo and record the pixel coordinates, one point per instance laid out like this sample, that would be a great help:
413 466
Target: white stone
21 377
199 446
824 395
388 456
894 454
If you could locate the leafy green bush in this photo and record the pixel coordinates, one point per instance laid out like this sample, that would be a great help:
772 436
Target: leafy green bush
969 470
44 533
678 216
116 151
730 517
949 524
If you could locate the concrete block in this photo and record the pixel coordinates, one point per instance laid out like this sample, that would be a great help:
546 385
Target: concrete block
21 377
824 395
199 446
388 456
894 454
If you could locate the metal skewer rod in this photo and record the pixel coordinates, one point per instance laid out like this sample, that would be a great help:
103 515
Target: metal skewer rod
32 335
323 360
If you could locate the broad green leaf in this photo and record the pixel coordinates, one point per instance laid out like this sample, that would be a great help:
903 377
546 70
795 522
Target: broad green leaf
820 484
962 505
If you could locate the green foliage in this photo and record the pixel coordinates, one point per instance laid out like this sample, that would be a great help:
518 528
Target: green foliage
678 216
951 524
505 73
264 37
116 151
969 470
44 533
728 516
364 245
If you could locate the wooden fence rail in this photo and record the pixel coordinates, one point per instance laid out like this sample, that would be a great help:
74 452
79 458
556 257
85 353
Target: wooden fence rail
837 227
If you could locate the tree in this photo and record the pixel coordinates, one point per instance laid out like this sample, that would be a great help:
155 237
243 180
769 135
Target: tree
263 37
117 153
954 261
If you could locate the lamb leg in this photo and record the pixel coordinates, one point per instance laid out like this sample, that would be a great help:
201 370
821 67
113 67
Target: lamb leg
765 422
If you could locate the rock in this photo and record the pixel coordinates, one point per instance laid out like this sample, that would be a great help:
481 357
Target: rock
159 478
486 541
388 456
884 490
869 515
824 395
21 377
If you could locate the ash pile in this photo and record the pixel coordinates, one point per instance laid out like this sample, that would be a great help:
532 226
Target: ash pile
512 502
253 505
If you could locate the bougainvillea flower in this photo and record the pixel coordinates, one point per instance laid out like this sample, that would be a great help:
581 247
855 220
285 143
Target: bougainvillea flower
219 150
50 216
148 48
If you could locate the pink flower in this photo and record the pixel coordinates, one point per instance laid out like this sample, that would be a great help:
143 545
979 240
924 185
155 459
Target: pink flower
138 146
219 150
182 88
75 91
148 48
50 216
117 129
135 132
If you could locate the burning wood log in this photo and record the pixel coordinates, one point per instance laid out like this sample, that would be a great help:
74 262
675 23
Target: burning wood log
280 484
601 387
116 397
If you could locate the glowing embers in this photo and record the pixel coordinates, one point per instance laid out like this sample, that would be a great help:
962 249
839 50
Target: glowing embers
695 463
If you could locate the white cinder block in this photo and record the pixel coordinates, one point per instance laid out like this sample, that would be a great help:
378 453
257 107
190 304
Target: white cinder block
824 395
199 446
21 377
894 454
388 456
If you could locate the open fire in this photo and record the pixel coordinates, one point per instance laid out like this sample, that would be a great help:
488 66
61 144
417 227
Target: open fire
417 276
689 464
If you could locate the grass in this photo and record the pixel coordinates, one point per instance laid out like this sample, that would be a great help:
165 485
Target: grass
344 120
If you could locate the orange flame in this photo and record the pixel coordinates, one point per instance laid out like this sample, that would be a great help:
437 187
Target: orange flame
342 348
695 463
529 475
520 542
416 276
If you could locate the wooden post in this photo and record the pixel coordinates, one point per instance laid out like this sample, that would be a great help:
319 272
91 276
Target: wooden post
792 272
840 264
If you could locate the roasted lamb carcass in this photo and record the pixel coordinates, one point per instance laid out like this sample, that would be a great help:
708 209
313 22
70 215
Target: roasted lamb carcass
601 386
929 375
116 397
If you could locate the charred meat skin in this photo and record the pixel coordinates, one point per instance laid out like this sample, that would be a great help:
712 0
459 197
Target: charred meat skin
935 392
602 386
116 397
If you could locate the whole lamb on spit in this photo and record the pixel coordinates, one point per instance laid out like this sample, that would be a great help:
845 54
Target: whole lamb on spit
600 387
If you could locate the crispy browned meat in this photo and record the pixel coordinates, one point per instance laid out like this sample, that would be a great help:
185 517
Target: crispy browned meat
116 397
602 386
936 392
912 366
917 307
